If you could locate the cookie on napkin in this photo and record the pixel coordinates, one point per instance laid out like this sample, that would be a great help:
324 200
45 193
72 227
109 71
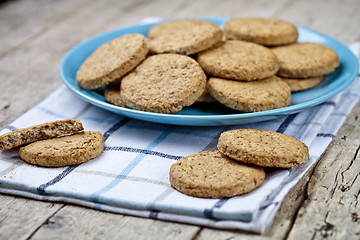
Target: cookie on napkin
263 148
66 150
210 174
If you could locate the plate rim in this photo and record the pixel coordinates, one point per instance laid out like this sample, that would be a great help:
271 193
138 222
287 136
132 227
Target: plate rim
210 120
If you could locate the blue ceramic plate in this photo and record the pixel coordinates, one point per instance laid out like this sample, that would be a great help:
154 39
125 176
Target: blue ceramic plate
213 114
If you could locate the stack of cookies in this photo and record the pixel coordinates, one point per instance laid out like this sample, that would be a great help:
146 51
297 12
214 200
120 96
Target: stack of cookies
55 144
303 65
252 65
237 167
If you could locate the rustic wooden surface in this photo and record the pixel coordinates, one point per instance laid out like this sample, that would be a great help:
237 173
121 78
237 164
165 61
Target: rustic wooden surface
35 35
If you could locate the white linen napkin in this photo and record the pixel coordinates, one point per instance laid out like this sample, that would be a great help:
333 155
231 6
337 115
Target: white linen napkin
131 176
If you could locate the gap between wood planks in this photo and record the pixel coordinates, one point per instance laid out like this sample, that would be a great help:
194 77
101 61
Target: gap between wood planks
332 192
304 198
46 221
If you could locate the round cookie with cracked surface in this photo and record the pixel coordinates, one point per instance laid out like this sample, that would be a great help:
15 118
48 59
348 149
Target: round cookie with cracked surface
210 174
305 60
163 83
62 151
186 36
112 94
239 60
112 60
254 96
263 148
264 31
300 84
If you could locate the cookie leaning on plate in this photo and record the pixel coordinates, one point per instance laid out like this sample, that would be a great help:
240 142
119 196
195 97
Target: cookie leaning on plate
210 174
254 96
39 132
300 84
163 83
263 148
187 36
206 97
112 60
239 60
66 150
112 94
304 60
264 31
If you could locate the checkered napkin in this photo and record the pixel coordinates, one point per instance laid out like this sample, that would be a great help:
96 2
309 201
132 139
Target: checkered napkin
132 175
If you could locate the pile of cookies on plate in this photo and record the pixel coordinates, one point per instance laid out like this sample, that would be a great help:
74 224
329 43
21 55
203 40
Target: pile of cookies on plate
252 65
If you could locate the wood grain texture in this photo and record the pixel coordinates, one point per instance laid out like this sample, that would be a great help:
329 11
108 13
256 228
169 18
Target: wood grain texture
332 18
35 35
22 25
331 209
74 222
20 217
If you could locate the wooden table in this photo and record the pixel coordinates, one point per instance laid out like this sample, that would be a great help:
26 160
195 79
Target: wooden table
35 35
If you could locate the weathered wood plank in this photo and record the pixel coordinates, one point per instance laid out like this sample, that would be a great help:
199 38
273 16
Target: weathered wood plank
28 66
332 207
19 217
22 21
230 8
334 18
80 223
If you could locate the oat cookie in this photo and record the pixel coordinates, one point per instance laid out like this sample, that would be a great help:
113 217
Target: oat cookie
163 83
263 148
264 31
300 84
210 174
112 94
39 132
187 36
304 60
66 150
206 97
112 60
254 96
239 60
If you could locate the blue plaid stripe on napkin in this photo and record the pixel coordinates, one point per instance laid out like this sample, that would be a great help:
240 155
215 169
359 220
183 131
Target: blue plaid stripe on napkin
131 176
